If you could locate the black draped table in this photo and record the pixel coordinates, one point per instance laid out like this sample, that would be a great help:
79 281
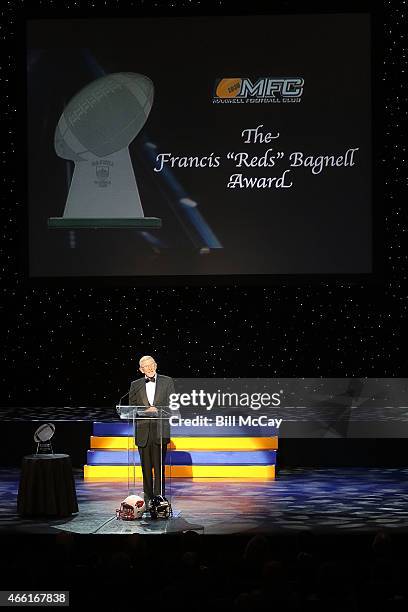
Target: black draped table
47 486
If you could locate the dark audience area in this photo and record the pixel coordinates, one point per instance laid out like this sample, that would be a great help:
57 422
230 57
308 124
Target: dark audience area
305 571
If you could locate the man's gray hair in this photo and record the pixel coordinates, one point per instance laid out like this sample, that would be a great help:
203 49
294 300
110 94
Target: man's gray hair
145 358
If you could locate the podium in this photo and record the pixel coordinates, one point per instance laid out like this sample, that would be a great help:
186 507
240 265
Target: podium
157 424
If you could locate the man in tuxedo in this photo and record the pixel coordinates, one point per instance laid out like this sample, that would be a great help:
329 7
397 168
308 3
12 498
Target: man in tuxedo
151 433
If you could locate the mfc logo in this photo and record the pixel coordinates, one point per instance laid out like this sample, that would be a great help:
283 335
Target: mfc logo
267 87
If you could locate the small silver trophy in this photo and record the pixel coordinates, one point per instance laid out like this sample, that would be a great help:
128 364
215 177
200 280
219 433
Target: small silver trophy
43 436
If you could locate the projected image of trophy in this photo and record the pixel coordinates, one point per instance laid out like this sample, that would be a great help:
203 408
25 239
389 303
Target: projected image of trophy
94 131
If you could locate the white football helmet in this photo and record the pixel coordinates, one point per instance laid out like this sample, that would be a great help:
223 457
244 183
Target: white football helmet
131 508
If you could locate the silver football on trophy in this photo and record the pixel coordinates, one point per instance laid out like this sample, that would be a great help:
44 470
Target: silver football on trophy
105 116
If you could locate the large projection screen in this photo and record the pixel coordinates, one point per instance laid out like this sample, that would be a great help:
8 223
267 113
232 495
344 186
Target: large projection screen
200 146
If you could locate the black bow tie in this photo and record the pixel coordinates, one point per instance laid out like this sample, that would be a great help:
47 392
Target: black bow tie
147 379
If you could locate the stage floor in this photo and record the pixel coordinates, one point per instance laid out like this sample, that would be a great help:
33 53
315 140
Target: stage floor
320 500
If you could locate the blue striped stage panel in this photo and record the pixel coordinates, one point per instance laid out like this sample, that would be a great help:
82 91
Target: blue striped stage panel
123 428
104 457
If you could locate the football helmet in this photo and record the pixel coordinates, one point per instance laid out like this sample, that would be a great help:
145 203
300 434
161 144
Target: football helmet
131 508
160 507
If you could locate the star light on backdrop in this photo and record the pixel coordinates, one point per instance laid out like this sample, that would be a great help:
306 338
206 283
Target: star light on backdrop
70 346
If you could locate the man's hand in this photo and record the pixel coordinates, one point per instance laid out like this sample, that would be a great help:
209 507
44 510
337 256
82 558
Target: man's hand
151 409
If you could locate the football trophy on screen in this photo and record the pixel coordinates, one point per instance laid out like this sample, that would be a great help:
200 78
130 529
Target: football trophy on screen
95 131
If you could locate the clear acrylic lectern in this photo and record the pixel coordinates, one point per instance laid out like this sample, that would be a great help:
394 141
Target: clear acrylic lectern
135 416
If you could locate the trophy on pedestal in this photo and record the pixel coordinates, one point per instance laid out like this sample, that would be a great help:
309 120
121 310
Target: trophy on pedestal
42 436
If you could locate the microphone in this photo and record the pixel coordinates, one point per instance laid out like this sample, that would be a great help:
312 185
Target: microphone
119 402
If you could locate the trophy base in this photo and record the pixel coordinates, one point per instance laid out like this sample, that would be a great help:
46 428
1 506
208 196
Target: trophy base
141 223
44 448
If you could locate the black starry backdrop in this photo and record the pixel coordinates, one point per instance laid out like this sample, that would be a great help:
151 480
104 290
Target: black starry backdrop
79 345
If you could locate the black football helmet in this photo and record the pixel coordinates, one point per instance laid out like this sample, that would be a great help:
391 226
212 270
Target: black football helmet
160 507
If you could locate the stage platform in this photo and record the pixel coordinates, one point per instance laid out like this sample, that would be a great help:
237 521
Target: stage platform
194 452
300 500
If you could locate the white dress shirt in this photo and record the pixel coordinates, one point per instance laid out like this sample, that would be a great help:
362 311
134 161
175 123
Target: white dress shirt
151 390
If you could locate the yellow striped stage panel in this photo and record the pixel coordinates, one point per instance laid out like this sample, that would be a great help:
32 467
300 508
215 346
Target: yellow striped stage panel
122 472
229 479
190 444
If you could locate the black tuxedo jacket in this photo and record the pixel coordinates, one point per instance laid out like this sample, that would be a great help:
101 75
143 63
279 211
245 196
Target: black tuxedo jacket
150 428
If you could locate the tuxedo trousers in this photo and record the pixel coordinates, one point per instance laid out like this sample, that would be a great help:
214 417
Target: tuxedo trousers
150 460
